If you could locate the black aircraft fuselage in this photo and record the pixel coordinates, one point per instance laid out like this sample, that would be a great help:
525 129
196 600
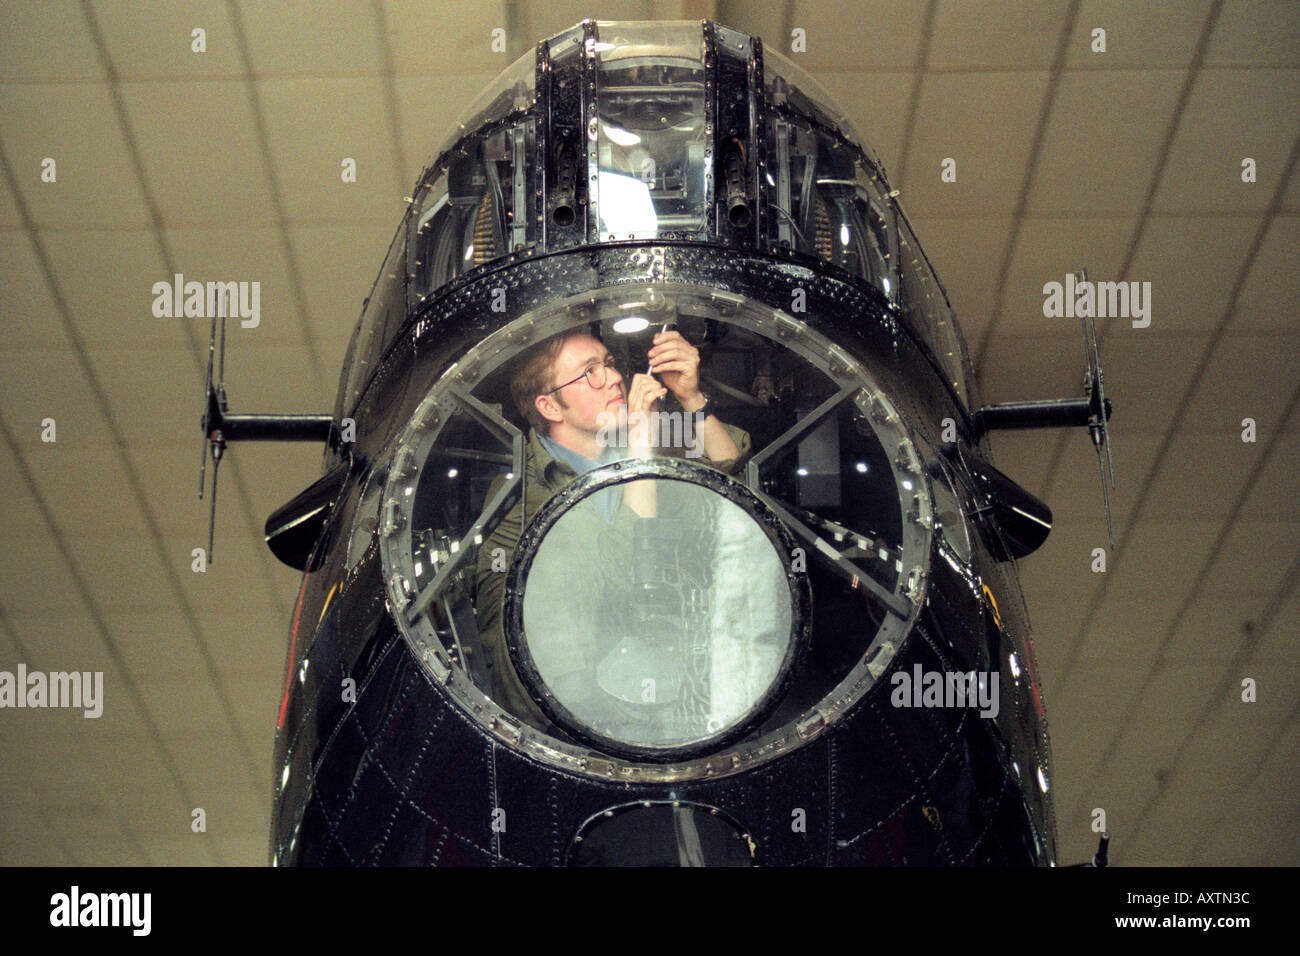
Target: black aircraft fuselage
828 661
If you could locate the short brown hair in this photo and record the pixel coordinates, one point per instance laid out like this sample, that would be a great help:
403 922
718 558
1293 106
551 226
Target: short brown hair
532 375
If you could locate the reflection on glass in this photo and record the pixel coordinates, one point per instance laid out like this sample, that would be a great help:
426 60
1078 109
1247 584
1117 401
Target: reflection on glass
657 632
651 141
626 207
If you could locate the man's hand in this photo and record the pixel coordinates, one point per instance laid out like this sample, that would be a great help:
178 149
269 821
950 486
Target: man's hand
642 396
677 362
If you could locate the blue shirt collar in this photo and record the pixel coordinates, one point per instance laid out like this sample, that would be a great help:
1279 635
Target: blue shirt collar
579 463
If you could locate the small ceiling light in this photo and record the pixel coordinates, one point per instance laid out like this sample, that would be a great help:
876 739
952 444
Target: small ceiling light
631 324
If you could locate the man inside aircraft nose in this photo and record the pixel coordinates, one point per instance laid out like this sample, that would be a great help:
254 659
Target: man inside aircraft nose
575 400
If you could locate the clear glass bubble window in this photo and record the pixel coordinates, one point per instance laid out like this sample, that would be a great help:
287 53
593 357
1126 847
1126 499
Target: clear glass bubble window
686 624
751 610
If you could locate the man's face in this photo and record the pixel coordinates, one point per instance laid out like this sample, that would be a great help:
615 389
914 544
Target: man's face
577 403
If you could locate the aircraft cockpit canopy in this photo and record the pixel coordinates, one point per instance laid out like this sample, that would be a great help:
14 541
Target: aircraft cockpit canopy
669 131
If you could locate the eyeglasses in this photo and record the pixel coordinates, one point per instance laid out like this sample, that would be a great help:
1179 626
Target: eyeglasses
596 375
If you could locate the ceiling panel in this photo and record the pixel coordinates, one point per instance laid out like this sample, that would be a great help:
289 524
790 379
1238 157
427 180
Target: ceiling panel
9 217
184 707
46 43
1046 251
348 121
243 255
106 279
1126 629
428 108
877 102
838 32
50 585
995 35
94 180
465 40
170 475
344 261
1147 373
1215 632
1076 482
965 253
1269 301
1142 565
986 123
26 304
1057 369
1023 456
1192 265
1256 33
73 481
1250 375
1198 476
158 643
1146 36
1276 491
1253 559
1230 116
323 37
1097 170
157 42
202 161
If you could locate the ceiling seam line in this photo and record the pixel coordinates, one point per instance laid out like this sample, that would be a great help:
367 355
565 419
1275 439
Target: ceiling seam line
1283 728
919 70
278 211
389 74
198 352
114 652
1184 403
1220 696
1054 75
38 805
1144 215
1147 679
118 443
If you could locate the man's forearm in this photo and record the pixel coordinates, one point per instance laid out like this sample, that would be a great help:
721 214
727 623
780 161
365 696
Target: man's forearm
640 497
718 444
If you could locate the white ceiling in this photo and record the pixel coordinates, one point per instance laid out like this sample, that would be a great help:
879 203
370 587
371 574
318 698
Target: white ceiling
226 163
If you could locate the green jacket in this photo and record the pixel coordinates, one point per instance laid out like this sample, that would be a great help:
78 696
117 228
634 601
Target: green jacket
544 476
